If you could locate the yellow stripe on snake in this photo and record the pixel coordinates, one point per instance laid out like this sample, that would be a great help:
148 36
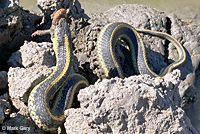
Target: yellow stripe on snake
62 84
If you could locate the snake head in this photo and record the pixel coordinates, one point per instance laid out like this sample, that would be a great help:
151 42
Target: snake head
61 13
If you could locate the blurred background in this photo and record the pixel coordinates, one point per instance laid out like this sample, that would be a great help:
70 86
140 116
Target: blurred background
186 10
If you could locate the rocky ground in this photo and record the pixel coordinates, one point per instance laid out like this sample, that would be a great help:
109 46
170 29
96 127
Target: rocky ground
136 104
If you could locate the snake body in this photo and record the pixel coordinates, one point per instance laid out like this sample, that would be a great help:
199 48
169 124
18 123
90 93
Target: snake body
62 84
46 112
106 46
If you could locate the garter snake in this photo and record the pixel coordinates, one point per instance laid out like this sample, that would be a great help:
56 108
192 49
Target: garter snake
49 99
106 47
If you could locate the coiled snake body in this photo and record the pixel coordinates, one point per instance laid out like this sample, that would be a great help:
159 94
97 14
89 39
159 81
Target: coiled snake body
106 45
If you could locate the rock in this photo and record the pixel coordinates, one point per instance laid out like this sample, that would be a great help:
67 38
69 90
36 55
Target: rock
131 105
3 82
188 35
5 107
29 78
20 124
1 115
49 6
20 106
32 53
188 91
9 23
8 3
16 25
37 61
